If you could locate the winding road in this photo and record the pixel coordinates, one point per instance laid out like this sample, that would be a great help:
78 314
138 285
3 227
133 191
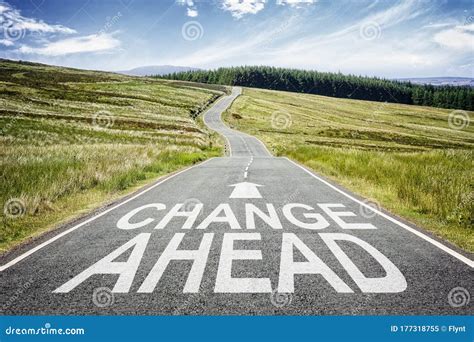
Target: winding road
248 233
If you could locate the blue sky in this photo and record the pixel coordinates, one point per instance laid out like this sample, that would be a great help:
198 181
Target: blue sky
385 38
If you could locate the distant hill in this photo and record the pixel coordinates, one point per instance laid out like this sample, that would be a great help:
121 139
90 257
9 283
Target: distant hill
151 70
335 85
440 81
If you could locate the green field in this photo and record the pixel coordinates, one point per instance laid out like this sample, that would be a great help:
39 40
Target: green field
73 139
414 161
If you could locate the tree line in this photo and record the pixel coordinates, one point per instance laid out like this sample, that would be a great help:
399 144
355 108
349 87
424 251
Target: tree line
335 85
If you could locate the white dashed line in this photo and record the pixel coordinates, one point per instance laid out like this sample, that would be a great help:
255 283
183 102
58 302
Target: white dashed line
247 167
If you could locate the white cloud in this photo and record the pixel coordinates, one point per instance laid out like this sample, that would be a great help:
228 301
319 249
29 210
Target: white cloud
458 37
185 2
4 7
92 43
469 27
11 19
295 3
239 8
403 11
340 49
6 42
437 25
224 50
192 12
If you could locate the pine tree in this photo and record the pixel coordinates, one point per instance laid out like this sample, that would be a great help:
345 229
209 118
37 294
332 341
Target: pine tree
334 84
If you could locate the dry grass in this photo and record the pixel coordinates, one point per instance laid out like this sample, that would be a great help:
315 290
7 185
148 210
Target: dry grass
71 134
407 158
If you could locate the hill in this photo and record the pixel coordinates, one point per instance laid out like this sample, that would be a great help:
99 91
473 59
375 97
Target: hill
72 139
156 70
335 85
441 81
415 161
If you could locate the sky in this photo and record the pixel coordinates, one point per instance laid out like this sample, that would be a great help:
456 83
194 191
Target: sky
385 38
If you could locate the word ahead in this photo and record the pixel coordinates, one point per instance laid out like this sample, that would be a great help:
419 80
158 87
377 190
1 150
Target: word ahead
392 281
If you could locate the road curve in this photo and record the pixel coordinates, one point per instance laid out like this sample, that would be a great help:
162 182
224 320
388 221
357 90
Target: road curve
243 234
238 144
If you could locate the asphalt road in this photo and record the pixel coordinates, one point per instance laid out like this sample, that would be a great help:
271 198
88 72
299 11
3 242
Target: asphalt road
267 237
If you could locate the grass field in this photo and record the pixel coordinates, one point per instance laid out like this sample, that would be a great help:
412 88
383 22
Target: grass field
72 139
414 161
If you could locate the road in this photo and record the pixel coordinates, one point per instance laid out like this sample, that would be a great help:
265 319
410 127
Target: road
247 233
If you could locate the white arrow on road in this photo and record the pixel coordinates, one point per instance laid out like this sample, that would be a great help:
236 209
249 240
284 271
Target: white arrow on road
245 190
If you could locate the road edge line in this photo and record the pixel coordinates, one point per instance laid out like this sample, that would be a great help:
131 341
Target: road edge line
60 235
232 129
220 117
241 132
438 244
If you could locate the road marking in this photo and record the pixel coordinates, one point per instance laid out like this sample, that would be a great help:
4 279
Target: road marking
247 168
236 92
448 250
56 237
406 227
225 283
171 252
229 146
205 119
245 190
245 144
125 270
261 143
393 281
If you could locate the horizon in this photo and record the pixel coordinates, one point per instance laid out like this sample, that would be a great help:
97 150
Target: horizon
234 66
392 40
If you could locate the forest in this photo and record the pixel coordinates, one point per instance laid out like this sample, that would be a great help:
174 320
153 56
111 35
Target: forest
334 85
